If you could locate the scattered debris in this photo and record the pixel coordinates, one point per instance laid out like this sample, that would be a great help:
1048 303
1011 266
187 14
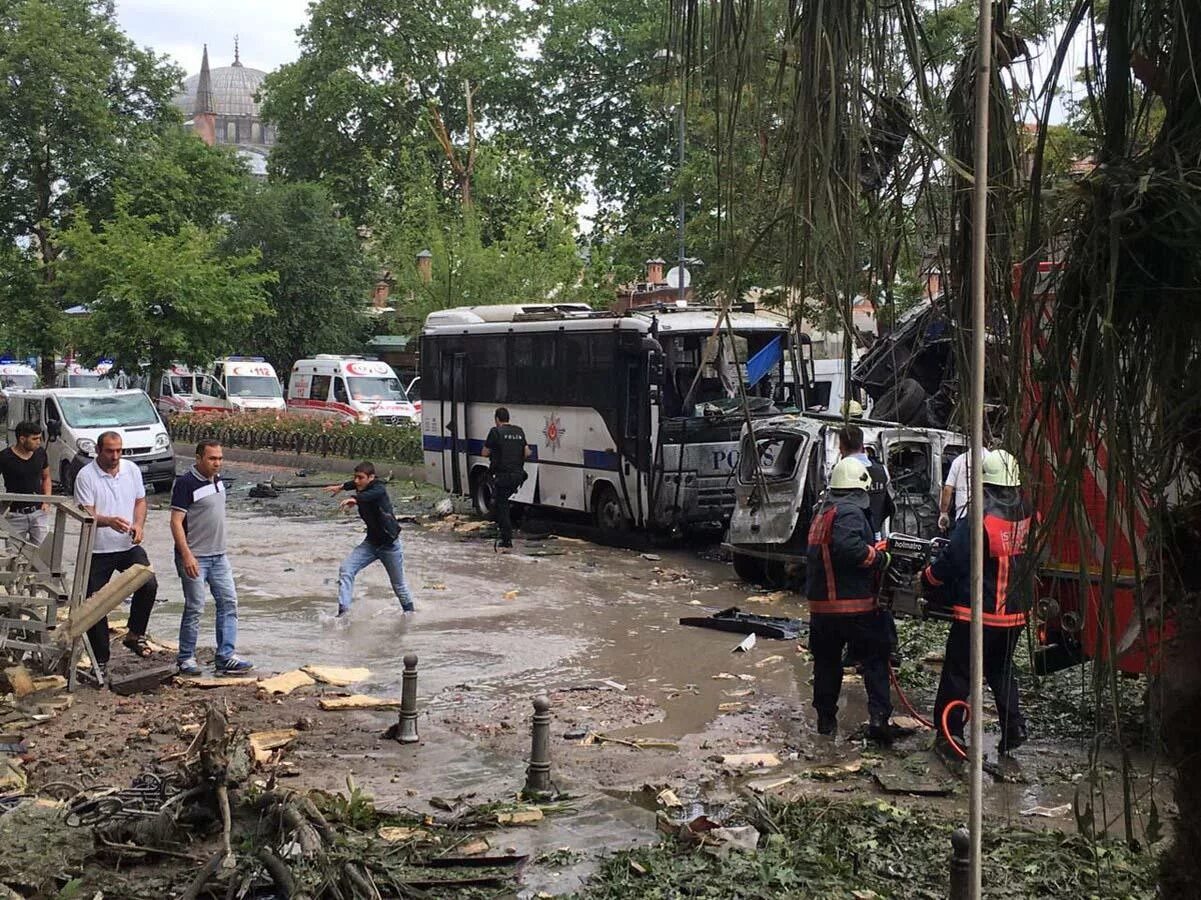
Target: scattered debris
653 557
1048 812
207 682
337 676
525 815
616 685
595 737
444 508
667 797
773 597
510 595
141 680
721 841
262 743
835 772
733 620
768 660
750 760
357 701
286 683
747 645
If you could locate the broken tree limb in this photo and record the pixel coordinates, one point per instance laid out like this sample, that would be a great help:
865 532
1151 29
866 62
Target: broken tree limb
202 877
97 606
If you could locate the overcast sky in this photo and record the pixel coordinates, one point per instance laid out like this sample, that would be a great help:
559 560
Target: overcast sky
266 29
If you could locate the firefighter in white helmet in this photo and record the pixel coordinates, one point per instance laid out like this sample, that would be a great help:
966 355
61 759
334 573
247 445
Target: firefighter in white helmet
843 563
1008 592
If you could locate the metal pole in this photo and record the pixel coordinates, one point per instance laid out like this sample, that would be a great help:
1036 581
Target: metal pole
537 775
406 732
680 206
979 249
961 865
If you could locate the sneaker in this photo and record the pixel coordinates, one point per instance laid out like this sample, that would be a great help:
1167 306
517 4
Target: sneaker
188 667
827 723
342 611
233 666
408 610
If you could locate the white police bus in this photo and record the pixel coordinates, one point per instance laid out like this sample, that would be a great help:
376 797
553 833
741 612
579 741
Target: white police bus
632 419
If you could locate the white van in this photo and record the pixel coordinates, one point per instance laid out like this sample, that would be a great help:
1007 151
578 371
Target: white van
350 388
17 377
240 383
73 418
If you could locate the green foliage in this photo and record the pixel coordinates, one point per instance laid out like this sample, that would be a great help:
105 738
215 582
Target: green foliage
818 848
318 300
157 298
76 96
301 434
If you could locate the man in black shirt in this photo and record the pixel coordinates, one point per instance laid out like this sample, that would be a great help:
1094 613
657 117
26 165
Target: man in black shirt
26 470
382 541
506 451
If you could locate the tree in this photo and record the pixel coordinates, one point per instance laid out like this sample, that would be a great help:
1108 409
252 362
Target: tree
157 298
75 96
319 302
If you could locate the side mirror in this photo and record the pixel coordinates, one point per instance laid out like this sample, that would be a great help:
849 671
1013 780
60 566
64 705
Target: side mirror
54 430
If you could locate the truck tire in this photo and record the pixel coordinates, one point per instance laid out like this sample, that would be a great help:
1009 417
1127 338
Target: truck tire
770 573
903 403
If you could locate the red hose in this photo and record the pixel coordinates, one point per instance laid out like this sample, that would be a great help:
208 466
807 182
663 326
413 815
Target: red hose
945 728
896 686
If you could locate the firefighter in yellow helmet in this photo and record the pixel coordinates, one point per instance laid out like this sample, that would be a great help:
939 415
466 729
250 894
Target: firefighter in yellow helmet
1008 592
843 563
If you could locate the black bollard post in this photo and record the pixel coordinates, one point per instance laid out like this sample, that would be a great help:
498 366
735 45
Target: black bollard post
407 731
961 865
537 776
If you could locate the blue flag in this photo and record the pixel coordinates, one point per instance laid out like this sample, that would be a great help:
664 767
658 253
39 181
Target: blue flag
764 361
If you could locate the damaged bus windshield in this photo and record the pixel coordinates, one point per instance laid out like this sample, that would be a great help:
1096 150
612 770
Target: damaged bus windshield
633 420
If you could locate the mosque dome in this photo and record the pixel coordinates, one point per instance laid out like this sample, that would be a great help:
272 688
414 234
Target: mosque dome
233 91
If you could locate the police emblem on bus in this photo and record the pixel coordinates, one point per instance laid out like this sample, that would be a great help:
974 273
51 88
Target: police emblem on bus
553 431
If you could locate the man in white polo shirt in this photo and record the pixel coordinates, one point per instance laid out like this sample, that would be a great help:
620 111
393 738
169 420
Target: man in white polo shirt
111 489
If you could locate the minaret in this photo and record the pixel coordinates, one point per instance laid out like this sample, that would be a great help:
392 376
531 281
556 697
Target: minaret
237 57
204 117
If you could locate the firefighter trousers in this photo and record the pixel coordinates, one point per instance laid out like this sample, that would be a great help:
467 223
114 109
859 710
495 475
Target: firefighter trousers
955 684
869 637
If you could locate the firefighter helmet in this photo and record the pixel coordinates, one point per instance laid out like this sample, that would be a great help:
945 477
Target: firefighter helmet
853 409
1000 469
849 475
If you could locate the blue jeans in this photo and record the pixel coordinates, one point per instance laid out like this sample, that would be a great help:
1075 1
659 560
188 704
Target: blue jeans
216 572
393 558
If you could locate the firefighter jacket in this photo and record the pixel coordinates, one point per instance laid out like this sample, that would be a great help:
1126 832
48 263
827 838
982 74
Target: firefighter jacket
842 558
1008 564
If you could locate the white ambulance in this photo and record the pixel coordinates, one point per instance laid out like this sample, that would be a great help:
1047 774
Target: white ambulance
97 379
16 376
180 390
350 388
238 383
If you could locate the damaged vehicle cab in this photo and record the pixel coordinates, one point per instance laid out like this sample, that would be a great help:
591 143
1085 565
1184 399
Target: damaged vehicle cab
784 465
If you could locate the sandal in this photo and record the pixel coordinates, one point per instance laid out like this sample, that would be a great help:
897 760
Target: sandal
137 645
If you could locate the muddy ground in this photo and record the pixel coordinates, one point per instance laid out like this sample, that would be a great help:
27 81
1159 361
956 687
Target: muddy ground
639 703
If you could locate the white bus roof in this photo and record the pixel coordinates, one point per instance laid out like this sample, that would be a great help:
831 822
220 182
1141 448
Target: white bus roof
580 317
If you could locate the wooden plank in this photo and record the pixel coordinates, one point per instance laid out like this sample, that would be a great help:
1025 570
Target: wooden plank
286 683
141 680
262 743
358 701
103 601
336 675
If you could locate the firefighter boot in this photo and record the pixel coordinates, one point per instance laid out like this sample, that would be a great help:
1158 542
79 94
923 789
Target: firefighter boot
1014 737
879 729
827 723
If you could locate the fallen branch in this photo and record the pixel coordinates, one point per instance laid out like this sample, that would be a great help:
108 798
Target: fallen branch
202 877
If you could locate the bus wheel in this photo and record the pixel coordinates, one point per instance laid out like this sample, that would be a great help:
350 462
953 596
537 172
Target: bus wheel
481 494
607 510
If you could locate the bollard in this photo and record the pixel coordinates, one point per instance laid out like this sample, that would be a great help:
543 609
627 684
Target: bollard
406 732
537 776
961 865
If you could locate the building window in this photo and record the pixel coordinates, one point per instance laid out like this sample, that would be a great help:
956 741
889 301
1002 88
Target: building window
231 132
256 133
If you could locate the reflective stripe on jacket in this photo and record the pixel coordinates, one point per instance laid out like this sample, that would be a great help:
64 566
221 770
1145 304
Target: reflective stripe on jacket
1008 587
840 574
